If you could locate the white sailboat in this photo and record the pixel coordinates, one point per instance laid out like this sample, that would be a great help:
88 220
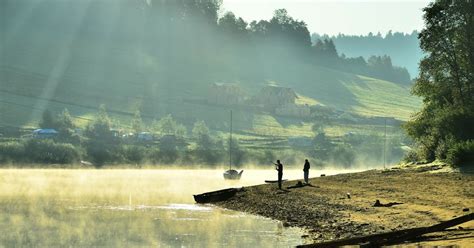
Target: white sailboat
231 174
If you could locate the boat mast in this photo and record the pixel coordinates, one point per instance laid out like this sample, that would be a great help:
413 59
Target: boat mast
385 144
230 142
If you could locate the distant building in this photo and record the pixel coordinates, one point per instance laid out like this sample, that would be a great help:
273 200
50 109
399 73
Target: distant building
272 97
45 133
226 94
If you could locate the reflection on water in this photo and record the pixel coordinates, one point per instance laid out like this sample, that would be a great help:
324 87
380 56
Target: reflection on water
130 208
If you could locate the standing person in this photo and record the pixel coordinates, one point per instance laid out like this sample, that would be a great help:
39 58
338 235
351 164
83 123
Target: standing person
306 170
279 168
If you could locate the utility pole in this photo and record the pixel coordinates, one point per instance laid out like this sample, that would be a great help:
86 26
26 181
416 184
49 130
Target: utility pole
385 143
230 142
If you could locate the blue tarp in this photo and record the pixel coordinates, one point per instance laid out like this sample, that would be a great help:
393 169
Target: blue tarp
45 131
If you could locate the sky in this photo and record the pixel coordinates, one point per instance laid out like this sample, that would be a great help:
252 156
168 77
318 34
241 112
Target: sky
338 16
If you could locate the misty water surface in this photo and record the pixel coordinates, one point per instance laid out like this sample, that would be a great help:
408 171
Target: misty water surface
46 207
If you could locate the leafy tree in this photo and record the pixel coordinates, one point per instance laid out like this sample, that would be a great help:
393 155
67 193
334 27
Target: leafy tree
62 122
134 154
169 126
381 67
137 122
404 49
285 28
325 50
65 127
232 25
180 131
102 144
65 121
446 80
168 149
201 134
283 33
207 149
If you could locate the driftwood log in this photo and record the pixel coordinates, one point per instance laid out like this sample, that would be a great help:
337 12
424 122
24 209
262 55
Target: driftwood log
377 240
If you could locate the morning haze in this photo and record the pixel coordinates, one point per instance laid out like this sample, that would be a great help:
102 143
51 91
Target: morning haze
353 17
117 116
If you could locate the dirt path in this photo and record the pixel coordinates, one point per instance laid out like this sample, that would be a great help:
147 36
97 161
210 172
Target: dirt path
328 213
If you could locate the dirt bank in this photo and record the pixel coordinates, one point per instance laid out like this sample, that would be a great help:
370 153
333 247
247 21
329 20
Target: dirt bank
327 212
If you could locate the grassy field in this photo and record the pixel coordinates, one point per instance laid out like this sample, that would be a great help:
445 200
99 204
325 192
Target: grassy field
22 106
382 98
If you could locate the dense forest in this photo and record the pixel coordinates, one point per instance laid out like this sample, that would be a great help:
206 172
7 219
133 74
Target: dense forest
191 37
403 49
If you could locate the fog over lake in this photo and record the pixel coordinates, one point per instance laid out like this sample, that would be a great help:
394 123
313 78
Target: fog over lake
54 207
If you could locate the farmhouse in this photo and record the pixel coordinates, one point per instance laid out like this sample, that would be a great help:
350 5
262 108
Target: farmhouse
226 94
271 97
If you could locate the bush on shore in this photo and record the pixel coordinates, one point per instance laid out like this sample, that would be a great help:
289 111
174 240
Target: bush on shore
39 151
461 153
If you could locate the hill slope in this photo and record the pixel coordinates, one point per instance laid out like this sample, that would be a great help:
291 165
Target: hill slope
65 59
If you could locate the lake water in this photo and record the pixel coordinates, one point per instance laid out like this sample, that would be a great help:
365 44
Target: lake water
124 208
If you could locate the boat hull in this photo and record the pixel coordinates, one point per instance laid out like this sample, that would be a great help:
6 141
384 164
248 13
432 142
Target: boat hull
216 196
232 175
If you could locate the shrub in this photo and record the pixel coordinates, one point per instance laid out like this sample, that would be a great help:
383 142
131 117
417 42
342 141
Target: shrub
101 152
153 155
461 153
134 154
12 151
411 157
47 151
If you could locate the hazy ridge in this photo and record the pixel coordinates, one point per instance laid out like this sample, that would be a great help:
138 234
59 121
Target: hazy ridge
78 55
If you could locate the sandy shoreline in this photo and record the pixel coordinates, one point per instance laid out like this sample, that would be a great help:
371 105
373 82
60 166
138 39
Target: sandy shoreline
327 213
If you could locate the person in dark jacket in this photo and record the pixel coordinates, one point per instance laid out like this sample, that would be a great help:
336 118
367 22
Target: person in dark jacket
306 170
279 168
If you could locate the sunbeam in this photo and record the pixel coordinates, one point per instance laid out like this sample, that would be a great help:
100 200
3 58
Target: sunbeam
62 61
16 24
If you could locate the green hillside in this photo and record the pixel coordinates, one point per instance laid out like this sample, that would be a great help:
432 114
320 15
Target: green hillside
29 86
79 57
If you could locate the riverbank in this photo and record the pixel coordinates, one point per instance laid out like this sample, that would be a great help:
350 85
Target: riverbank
341 206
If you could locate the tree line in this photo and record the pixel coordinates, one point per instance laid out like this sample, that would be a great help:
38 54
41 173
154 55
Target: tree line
190 36
403 48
